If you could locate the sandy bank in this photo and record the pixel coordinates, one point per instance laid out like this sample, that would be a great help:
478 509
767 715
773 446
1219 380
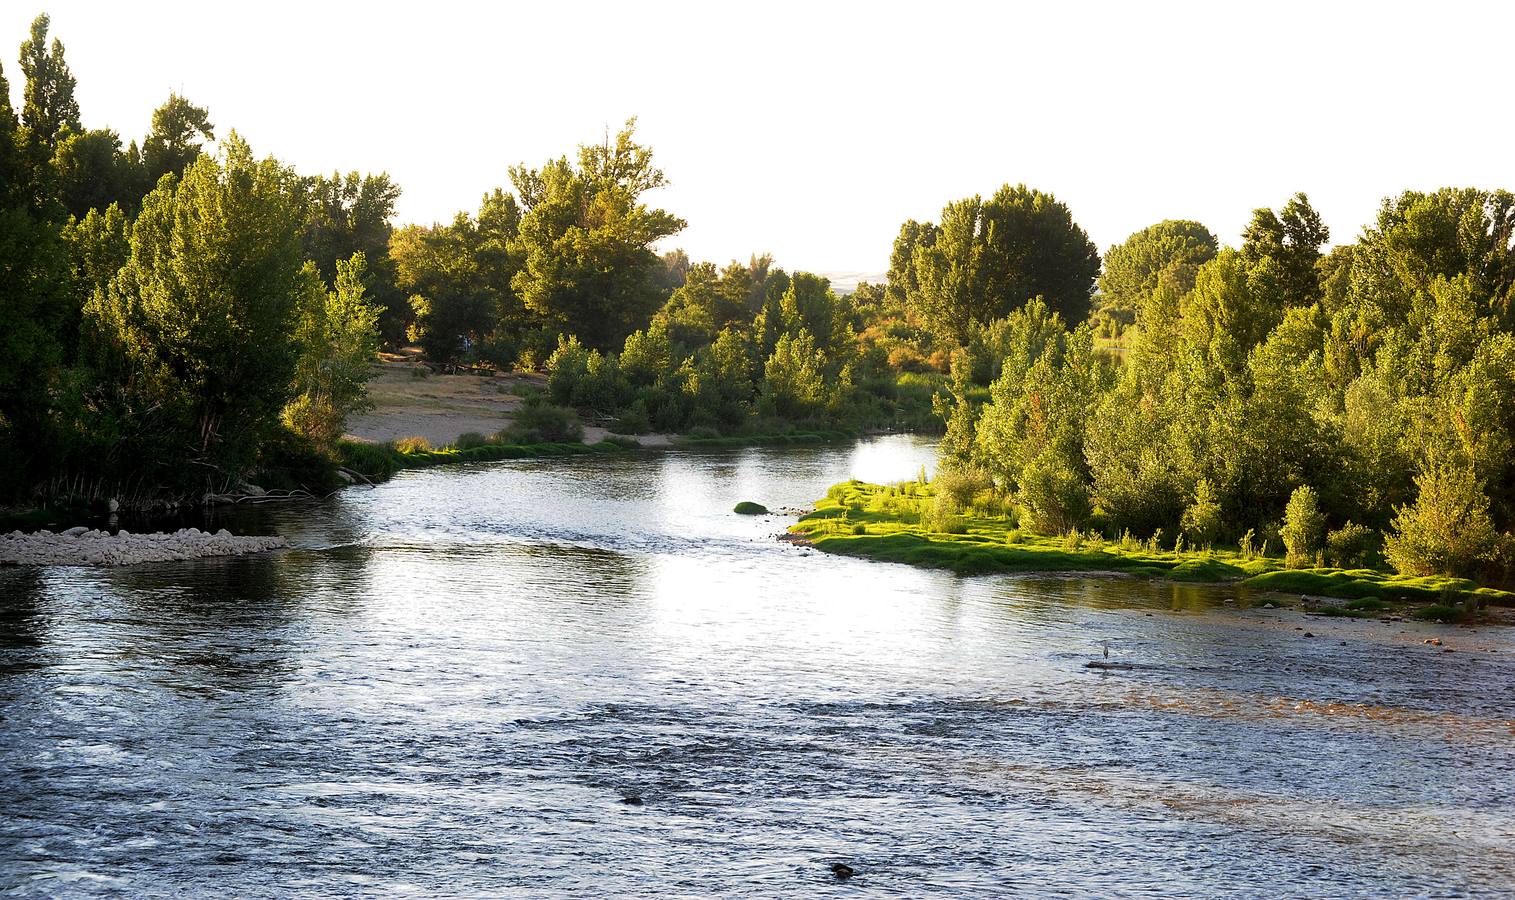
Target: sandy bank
86 547
410 401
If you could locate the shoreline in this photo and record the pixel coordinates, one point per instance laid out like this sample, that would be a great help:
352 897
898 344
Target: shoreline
882 523
80 546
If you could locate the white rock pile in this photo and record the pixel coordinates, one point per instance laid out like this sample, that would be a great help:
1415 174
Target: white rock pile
87 547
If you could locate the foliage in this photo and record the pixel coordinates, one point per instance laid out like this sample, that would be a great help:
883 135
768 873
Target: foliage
987 258
338 337
215 268
585 239
1447 530
1304 528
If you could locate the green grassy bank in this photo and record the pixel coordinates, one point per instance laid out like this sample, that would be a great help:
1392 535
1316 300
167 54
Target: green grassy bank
902 523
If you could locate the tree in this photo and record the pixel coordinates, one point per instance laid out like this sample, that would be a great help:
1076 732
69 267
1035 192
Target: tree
1133 269
197 327
586 240
338 338
351 214
1304 528
50 107
793 384
452 303
35 307
1291 239
989 257
175 141
93 172
1447 531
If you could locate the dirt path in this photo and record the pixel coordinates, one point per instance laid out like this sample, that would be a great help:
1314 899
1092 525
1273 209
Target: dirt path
410 401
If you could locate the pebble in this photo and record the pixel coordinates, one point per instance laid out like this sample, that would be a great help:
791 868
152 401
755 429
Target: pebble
80 546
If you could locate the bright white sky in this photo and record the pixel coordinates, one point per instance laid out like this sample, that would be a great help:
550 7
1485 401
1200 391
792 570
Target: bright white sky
812 130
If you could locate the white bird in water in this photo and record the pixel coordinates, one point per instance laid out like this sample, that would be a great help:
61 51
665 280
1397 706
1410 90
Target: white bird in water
1106 645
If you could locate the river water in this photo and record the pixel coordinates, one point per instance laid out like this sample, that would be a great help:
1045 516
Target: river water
456 681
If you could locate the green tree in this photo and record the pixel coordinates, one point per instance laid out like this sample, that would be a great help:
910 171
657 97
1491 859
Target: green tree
338 339
50 107
1447 531
179 127
36 307
1304 528
586 238
989 257
351 214
197 328
1133 269
93 172
1291 239
794 385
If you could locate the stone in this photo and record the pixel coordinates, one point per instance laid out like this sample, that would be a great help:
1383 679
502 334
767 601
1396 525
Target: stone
842 870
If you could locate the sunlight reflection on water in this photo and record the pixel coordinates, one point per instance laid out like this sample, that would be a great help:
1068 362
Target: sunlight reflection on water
456 678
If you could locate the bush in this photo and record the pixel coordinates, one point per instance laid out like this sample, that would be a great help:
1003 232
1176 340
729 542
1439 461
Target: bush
1052 498
961 485
538 422
943 516
469 440
1350 545
1447 531
413 444
1202 522
1304 527
633 420
748 508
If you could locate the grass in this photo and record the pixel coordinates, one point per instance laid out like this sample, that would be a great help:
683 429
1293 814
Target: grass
1371 584
893 523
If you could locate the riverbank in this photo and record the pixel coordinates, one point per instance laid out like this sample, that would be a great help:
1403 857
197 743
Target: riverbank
376 462
889 523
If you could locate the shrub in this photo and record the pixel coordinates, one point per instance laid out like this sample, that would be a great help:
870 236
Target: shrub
538 422
1052 498
748 508
1304 527
943 516
961 484
1447 531
633 420
413 444
1350 545
469 440
1248 544
1202 522
566 367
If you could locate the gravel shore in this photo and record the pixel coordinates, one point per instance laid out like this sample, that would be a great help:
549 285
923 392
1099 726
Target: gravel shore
87 547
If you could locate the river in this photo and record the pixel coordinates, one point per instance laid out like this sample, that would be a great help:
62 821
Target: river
456 681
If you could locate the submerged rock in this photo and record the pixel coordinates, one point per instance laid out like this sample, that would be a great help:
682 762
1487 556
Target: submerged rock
842 870
88 547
